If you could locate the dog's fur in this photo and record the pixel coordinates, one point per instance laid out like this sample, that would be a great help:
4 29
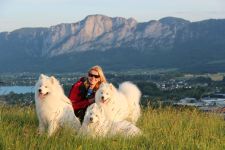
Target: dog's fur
97 125
121 104
53 108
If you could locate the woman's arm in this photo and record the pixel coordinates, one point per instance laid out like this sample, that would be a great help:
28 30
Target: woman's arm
76 100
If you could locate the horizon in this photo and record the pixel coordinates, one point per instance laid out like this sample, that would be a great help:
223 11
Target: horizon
18 14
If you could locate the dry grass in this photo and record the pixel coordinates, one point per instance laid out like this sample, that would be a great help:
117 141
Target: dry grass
164 128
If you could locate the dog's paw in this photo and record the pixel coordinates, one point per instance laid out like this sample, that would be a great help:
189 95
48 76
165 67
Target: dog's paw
40 132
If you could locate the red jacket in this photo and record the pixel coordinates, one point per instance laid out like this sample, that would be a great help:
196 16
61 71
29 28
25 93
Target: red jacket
77 95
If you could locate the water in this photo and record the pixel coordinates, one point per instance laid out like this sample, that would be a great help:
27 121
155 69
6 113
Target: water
16 89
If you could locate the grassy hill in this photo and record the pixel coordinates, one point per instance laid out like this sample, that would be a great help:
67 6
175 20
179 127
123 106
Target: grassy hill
163 128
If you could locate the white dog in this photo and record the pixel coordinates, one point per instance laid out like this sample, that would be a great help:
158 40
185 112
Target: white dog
121 104
53 108
97 125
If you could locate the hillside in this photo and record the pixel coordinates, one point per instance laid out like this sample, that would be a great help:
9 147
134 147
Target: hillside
166 128
116 44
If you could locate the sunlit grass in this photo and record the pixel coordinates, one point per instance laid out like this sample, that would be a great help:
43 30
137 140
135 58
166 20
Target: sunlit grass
163 128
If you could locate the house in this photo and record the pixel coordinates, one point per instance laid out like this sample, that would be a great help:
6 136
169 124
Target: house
188 101
217 99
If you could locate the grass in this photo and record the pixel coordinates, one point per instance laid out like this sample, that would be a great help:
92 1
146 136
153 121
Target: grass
163 128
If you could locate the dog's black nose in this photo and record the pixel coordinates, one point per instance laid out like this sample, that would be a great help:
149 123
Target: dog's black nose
39 90
91 119
102 97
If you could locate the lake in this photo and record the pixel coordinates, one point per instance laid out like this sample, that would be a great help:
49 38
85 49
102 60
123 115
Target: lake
16 89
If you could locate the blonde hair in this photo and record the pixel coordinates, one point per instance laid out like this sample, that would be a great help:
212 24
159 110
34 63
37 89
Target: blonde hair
101 74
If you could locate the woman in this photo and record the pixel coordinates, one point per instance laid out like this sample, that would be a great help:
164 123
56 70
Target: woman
82 93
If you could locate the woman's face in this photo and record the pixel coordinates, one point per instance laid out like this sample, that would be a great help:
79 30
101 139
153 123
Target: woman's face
93 77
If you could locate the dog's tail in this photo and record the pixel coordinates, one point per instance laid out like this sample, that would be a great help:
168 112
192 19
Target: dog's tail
133 95
131 91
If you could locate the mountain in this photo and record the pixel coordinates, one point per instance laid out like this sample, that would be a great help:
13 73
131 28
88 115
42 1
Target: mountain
116 44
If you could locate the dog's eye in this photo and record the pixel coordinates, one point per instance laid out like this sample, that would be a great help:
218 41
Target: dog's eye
101 92
46 87
96 115
90 113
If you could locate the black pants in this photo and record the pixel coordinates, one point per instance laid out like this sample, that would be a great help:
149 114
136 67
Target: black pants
80 114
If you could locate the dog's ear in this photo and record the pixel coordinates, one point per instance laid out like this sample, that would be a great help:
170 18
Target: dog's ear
42 76
102 84
111 86
94 104
53 80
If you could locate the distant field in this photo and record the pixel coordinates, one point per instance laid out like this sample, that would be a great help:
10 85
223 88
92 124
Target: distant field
164 128
212 76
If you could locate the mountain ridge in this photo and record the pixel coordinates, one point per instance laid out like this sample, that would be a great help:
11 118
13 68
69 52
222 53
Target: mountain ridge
168 41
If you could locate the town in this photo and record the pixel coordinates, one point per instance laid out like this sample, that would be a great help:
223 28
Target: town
158 88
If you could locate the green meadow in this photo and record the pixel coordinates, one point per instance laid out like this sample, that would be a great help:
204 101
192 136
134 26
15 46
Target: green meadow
163 128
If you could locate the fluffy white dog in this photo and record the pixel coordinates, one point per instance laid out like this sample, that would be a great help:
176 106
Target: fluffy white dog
97 125
53 108
121 104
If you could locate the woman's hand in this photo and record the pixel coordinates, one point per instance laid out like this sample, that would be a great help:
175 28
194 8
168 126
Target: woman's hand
91 100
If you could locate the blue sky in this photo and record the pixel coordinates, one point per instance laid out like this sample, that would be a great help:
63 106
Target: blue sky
16 14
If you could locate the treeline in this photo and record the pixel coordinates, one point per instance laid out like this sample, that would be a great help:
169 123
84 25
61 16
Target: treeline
17 99
147 84
150 93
